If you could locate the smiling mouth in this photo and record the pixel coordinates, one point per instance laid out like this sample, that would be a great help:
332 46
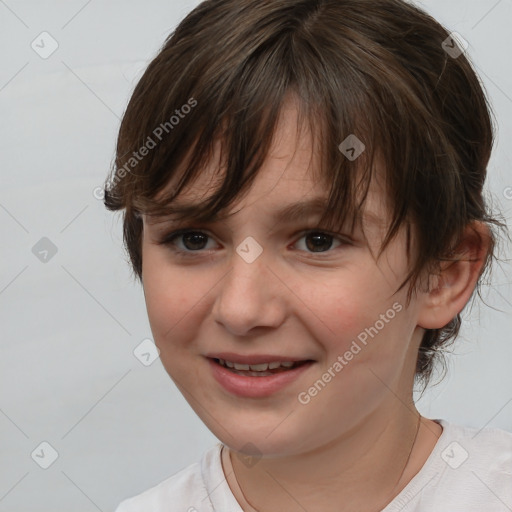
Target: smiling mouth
260 370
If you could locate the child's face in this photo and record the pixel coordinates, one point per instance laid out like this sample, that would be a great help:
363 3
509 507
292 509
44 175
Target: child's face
334 305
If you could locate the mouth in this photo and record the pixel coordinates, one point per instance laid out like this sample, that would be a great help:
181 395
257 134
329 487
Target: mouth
258 376
260 369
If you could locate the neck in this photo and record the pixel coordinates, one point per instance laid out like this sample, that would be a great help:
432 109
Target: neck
382 454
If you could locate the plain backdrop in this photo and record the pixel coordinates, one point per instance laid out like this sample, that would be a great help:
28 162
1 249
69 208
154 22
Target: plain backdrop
71 317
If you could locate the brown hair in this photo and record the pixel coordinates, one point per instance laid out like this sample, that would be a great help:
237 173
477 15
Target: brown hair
374 68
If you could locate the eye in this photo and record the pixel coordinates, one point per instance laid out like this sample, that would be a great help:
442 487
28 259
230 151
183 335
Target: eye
190 243
193 241
318 241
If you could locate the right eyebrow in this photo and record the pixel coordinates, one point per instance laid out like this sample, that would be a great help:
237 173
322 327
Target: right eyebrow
292 212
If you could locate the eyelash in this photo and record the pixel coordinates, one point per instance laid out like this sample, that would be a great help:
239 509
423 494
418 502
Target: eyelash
168 241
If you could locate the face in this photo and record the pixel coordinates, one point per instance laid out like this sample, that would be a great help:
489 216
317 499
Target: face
254 289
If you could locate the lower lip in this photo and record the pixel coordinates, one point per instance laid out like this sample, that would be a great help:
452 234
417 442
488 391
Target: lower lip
255 387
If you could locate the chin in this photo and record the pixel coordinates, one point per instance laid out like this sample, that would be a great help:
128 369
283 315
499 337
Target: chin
257 439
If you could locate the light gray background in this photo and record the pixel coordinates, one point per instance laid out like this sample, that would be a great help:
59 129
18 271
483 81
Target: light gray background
69 326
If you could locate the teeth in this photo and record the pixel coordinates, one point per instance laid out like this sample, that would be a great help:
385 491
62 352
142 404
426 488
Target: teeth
262 367
259 367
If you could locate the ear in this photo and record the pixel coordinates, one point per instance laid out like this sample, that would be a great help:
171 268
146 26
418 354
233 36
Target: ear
456 280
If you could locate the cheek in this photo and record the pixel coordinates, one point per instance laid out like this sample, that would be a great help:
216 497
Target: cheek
347 305
173 296
363 321
176 301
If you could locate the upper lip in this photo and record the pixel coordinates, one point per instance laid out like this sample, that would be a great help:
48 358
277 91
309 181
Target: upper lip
255 358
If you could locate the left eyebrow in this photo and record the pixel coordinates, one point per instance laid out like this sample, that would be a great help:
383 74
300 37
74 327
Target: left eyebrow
293 212
301 210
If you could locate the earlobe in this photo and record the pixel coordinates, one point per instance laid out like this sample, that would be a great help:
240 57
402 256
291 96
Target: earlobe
456 280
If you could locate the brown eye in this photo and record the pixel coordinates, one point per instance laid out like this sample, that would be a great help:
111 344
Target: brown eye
186 241
318 242
190 242
194 240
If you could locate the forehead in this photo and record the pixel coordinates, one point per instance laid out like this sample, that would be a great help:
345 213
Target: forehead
292 156
289 184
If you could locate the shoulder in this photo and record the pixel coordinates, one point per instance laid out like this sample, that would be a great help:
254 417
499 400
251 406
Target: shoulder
469 470
488 448
184 491
473 469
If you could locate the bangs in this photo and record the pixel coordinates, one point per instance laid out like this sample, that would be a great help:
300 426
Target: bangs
235 123
234 155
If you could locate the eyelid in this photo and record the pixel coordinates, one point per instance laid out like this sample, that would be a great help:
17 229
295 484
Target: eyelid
168 239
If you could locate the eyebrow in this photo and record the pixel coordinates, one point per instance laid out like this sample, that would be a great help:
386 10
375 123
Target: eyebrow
292 212
301 210
314 207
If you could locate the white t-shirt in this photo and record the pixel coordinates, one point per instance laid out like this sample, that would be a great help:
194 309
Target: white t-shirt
469 470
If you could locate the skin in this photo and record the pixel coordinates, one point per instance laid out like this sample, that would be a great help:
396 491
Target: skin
359 432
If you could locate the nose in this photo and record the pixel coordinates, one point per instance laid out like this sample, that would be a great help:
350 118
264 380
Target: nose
250 296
